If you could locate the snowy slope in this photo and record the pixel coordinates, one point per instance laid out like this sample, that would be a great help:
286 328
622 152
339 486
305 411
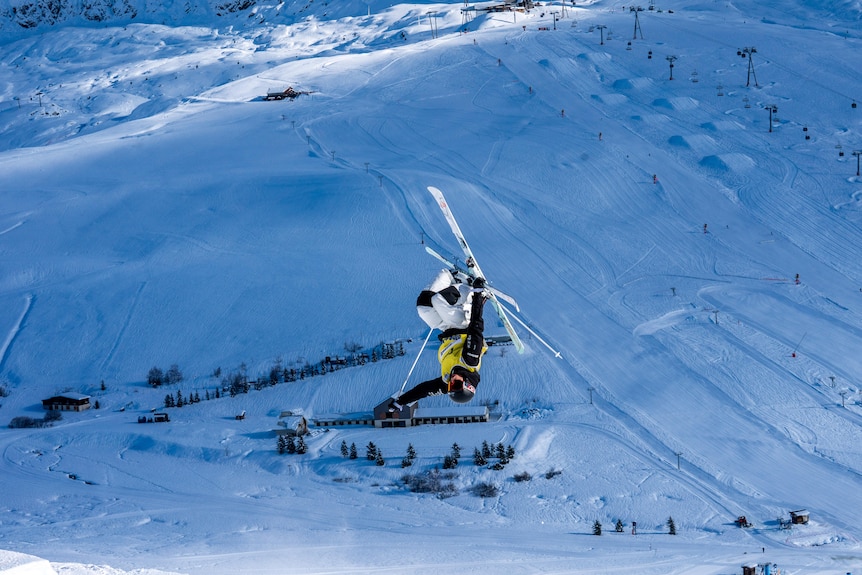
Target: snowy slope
156 211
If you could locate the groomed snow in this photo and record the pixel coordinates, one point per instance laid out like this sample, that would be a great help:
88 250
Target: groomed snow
156 211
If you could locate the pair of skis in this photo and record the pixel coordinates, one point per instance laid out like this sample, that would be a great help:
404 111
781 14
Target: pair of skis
473 270
469 272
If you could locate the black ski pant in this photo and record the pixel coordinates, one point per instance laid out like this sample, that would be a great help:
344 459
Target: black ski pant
471 354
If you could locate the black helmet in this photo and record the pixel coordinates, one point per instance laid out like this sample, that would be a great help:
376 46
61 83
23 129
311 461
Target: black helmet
464 395
464 392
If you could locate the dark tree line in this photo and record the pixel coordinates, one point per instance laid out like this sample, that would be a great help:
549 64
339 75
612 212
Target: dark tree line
289 444
156 377
23 421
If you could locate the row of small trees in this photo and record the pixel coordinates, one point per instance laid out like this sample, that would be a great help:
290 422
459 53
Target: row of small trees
180 400
450 461
237 382
619 527
289 444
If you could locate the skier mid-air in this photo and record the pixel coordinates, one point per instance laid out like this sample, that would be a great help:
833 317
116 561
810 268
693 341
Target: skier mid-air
455 308
453 303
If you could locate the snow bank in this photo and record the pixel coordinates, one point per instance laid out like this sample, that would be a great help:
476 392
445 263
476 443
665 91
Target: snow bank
12 563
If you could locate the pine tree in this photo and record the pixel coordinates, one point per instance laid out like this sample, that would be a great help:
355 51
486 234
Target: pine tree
671 526
353 454
301 448
281 445
378 460
619 526
510 452
597 527
169 400
344 451
371 451
486 450
173 375
207 395
500 451
456 451
155 377
411 453
449 462
479 458
406 462
103 385
290 445
180 400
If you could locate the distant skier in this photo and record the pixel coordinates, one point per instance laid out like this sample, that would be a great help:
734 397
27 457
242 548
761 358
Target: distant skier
456 309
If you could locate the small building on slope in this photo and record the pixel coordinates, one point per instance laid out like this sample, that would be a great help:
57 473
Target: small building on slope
67 402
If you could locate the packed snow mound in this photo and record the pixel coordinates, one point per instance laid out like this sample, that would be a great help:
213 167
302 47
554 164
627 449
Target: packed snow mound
676 103
721 126
699 142
632 84
679 141
727 162
611 99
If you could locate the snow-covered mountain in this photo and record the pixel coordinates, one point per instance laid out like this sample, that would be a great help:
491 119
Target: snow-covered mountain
36 16
689 245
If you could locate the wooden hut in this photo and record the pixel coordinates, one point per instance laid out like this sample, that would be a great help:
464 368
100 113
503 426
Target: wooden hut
67 402
799 517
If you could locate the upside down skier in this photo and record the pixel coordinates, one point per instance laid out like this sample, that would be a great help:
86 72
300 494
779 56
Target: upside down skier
455 308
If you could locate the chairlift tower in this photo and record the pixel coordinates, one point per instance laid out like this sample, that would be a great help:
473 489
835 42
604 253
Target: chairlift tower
671 60
637 23
773 109
432 21
746 53
857 153
601 28
468 13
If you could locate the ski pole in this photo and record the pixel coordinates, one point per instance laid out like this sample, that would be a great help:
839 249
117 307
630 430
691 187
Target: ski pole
415 361
525 326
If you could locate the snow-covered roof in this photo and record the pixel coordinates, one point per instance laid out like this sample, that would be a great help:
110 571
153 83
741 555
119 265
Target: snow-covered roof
70 395
423 412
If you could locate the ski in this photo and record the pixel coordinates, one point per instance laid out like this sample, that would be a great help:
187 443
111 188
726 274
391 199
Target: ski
462 275
473 269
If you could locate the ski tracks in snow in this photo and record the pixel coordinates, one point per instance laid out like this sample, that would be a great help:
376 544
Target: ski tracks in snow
13 332
117 340
9 229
